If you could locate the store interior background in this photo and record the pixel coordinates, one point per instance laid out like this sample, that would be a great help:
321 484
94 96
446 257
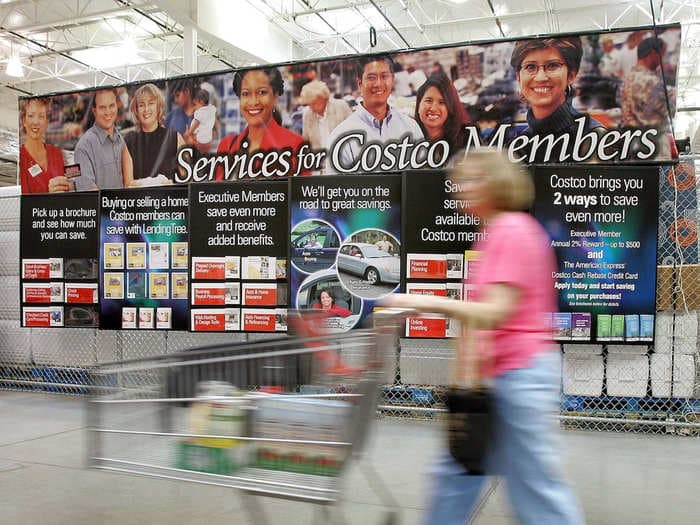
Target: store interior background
48 47
53 46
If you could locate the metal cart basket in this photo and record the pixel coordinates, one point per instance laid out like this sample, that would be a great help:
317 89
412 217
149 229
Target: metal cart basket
248 427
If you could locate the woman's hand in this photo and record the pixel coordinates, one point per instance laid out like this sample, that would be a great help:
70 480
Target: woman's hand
498 303
60 184
403 300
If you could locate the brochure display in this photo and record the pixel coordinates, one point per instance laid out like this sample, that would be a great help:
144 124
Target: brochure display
437 236
59 260
144 258
238 245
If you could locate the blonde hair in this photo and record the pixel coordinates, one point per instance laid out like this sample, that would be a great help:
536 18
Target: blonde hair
508 183
313 90
147 90
24 105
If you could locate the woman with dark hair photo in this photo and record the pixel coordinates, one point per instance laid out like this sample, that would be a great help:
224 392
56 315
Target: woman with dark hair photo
439 112
545 70
326 303
258 91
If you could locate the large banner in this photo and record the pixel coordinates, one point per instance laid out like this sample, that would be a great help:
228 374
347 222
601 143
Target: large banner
597 97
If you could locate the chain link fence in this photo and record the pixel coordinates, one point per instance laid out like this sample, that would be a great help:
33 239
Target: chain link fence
605 387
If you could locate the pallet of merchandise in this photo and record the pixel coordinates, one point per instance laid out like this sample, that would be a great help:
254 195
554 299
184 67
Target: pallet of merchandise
408 396
608 405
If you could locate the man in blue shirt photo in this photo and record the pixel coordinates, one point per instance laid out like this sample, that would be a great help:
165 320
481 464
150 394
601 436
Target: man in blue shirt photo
374 117
100 151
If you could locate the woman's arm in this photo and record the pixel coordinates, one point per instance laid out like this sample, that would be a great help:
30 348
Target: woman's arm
499 302
127 167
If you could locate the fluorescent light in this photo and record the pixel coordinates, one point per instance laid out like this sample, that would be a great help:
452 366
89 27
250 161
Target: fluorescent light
14 67
458 1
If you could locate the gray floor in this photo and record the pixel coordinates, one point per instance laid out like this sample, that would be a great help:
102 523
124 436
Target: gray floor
620 478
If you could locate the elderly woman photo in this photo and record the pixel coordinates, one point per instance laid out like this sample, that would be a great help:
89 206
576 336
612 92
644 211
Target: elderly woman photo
258 91
545 70
152 148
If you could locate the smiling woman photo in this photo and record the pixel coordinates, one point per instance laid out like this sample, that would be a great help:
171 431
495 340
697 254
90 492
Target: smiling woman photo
545 70
40 164
439 112
152 148
258 91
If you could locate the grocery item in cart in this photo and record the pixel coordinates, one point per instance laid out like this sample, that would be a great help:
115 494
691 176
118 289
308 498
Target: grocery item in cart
298 418
219 413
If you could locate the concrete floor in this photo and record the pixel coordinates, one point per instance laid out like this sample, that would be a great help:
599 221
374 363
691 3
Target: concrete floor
620 478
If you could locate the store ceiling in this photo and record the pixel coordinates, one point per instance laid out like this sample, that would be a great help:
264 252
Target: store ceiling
77 44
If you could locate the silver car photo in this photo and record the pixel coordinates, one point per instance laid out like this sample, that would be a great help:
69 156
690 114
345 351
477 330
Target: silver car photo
369 262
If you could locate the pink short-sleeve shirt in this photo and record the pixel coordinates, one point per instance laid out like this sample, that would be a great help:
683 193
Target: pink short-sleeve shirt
517 252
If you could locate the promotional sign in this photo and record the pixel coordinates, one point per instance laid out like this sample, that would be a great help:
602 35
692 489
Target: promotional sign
602 222
345 244
144 259
59 260
598 97
238 245
438 234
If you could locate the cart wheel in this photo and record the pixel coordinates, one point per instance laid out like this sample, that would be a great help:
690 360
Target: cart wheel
391 518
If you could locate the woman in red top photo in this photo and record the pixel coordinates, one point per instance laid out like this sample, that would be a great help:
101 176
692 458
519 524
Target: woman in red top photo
327 304
258 91
40 164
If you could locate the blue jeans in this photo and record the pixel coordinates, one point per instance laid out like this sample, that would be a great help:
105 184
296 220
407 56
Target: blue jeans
524 451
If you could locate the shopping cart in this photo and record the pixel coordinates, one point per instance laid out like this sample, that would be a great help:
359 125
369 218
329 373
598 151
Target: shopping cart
144 419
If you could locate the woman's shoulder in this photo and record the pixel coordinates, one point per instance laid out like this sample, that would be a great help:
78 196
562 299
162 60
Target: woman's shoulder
283 134
227 142
515 222
54 154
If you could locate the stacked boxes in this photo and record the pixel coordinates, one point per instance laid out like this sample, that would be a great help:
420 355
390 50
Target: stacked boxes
673 364
680 383
627 375
583 370
219 414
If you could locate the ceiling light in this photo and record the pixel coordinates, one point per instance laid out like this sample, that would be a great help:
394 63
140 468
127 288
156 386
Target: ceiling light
457 1
14 67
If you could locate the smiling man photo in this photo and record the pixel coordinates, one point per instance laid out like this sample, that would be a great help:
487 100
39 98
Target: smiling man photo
100 151
374 117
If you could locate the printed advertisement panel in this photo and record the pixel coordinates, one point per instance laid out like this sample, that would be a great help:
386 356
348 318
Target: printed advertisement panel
345 244
592 98
602 222
238 242
144 258
59 260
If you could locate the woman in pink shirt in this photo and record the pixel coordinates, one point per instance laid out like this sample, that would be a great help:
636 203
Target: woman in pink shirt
513 298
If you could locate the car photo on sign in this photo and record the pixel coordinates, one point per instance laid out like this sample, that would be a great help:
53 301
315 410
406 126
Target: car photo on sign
314 245
369 265
323 287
